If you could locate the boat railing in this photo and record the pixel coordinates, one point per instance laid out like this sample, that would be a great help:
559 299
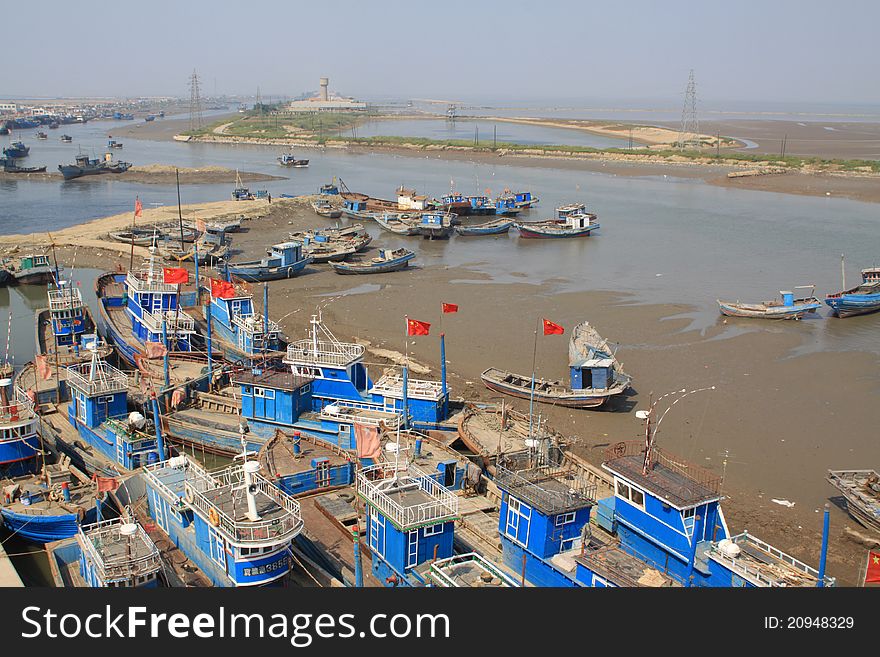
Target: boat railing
97 378
66 299
540 484
383 484
707 479
391 384
176 321
146 280
283 526
337 412
19 408
136 439
254 324
338 354
787 571
136 555
441 569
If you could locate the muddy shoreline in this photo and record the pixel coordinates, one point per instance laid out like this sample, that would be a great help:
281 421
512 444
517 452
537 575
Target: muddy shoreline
767 435
156 174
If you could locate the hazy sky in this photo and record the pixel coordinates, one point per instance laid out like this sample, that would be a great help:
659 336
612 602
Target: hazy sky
808 50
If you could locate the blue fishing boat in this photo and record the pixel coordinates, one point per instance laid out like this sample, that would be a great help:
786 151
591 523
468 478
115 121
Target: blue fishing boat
505 206
456 203
19 426
571 221
16 149
356 208
51 505
785 308
330 189
595 375
234 524
436 225
859 300
288 160
525 200
114 144
387 261
481 205
494 227
23 123
284 260
398 223
115 553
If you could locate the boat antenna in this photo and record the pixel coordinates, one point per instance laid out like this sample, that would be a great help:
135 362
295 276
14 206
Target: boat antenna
651 429
842 273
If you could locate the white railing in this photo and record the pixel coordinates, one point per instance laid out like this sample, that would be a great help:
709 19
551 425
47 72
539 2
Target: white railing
391 385
97 378
146 280
768 574
139 555
176 321
337 354
442 578
65 299
254 324
377 483
277 530
337 412
19 408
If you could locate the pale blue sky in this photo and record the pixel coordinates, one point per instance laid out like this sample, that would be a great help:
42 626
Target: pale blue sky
746 50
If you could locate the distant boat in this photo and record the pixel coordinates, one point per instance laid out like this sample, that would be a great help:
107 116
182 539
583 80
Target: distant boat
284 260
571 221
90 167
397 223
387 261
596 376
66 139
325 208
114 144
786 308
16 149
288 160
241 193
41 135
495 227
9 166
861 489
525 200
330 189
859 300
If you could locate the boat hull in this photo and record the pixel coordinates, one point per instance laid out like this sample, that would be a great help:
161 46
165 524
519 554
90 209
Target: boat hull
850 305
19 457
259 273
851 484
763 311
491 228
46 528
536 232
588 398
346 268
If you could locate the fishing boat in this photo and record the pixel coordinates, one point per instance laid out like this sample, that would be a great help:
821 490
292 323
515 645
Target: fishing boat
209 248
386 261
16 149
595 375
436 225
859 300
283 260
330 189
333 244
288 160
240 192
215 225
85 166
571 221
66 331
861 489
9 166
66 139
19 430
398 223
525 200
31 269
787 307
369 203
456 203
41 135
481 205
114 144
325 208
494 227
505 206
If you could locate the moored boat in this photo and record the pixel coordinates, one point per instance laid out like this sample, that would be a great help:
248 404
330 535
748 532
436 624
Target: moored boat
288 160
16 149
9 166
386 261
436 225
861 489
85 166
325 208
66 139
398 223
859 300
571 221
31 269
283 260
494 227
788 307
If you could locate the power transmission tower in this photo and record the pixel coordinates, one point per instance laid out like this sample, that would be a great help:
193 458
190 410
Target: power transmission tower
689 134
195 103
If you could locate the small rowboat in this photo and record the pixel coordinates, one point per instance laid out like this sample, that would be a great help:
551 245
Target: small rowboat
387 261
786 308
399 224
861 489
325 208
496 227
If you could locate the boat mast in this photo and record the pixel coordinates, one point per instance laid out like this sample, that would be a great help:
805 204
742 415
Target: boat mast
842 273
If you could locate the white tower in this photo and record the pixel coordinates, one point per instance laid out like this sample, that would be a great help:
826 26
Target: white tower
324 94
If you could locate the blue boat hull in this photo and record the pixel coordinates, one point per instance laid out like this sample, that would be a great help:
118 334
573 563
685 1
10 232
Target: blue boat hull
385 267
257 273
45 529
18 457
848 305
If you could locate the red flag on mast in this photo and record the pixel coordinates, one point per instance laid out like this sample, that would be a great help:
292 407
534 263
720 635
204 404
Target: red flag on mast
552 329
222 289
872 573
415 327
138 207
449 307
175 275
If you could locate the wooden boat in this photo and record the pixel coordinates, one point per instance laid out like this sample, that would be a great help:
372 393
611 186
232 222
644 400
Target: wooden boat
571 221
859 300
284 260
288 160
525 200
436 225
494 227
217 225
457 203
505 205
210 251
595 375
31 269
114 144
785 308
325 208
41 135
387 261
9 166
148 235
398 223
861 489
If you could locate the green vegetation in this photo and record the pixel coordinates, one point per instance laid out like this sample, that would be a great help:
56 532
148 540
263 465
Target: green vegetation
272 123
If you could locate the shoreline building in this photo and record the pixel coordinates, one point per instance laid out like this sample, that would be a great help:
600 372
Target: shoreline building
325 101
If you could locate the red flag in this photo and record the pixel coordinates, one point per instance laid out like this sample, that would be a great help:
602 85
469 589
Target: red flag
43 368
175 275
222 289
415 327
154 350
138 207
450 307
872 574
552 329
106 484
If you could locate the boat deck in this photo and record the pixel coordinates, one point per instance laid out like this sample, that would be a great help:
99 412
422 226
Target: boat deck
232 501
278 458
27 379
764 565
81 497
666 479
604 557
180 571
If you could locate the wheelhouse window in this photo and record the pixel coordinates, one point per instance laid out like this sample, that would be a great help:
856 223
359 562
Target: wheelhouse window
565 518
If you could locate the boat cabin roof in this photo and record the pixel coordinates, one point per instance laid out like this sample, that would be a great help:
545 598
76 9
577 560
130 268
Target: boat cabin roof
594 362
278 379
550 487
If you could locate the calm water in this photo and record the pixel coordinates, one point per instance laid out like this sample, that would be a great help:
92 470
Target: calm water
484 131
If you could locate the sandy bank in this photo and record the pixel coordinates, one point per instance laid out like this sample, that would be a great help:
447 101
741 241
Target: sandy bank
156 174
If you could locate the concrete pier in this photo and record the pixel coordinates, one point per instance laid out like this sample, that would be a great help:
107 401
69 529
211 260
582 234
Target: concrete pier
8 575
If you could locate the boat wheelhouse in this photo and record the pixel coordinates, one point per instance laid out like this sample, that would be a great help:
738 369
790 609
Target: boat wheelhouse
234 524
410 521
571 221
525 200
409 200
283 260
786 307
115 553
243 333
436 225
19 427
